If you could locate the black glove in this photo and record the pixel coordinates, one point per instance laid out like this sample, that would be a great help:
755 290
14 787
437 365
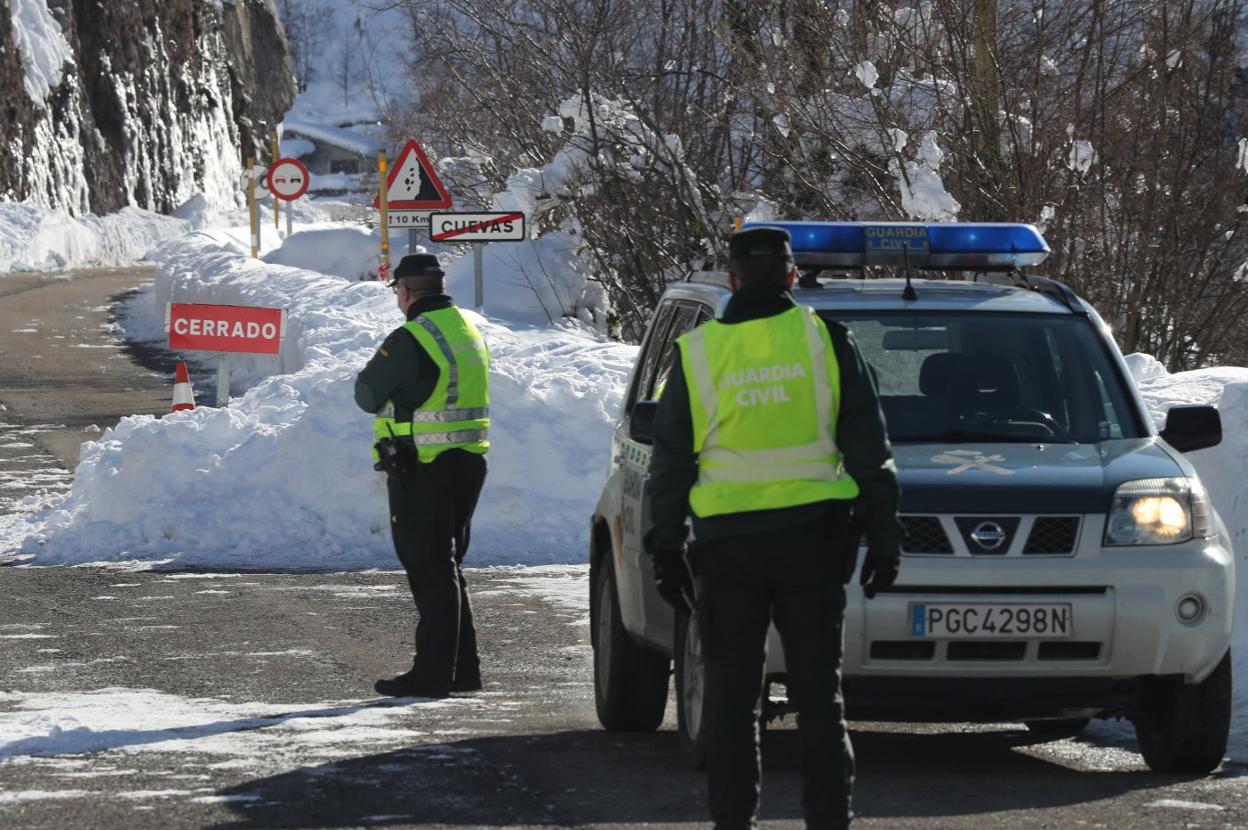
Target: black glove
672 576
878 573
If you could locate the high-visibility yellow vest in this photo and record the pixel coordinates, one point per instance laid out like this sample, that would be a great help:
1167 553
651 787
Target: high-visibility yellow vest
457 414
764 396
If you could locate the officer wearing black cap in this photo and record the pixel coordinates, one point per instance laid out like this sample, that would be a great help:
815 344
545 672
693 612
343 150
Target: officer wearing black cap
428 386
765 438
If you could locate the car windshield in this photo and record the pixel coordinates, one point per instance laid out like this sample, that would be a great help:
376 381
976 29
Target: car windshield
980 377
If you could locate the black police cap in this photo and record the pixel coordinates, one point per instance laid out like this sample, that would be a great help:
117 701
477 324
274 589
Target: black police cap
418 265
768 242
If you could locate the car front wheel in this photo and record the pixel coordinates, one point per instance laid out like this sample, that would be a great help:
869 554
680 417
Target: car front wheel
1183 728
630 680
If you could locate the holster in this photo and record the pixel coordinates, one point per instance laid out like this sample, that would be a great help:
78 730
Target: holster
396 459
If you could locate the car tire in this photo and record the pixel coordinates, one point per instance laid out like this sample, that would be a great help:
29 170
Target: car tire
690 691
1057 728
630 680
1183 728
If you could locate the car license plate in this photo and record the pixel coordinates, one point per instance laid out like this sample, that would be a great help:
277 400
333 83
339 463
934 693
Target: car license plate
981 621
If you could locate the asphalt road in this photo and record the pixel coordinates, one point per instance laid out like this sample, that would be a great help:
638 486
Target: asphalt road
244 701
66 374
136 699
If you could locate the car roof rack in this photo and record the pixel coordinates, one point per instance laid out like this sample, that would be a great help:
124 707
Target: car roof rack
708 275
1048 286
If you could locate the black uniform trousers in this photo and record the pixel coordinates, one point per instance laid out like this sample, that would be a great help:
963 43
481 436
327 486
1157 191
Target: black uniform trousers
796 577
430 520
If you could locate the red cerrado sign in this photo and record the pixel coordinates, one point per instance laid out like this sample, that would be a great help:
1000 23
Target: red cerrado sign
226 328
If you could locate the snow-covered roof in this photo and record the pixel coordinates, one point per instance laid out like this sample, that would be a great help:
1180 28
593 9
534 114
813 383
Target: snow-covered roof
344 139
297 147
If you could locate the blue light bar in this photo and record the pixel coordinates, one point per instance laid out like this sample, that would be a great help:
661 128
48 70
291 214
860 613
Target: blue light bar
939 246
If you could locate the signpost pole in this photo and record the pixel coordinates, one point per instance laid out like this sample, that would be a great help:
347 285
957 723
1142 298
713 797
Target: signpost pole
251 208
277 208
404 197
382 187
290 208
223 378
477 229
478 286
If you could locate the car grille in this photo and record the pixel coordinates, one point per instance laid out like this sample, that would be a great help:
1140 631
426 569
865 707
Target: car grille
1046 535
1053 535
1067 650
923 534
903 650
980 650
984 650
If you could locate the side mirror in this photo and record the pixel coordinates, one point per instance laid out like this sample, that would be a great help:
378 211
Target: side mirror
1193 428
641 421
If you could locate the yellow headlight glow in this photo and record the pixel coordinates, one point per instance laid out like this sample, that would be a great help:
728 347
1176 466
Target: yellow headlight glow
1164 515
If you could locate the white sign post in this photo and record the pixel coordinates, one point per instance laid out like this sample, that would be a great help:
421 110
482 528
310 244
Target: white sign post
477 228
223 378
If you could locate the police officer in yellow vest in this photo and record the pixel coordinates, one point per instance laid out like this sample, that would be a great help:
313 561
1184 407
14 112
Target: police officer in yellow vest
769 432
428 386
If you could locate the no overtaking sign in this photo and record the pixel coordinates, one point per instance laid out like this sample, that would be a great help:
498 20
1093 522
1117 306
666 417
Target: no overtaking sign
287 179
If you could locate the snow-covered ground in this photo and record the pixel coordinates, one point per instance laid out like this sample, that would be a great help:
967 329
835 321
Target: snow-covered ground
94 733
283 478
34 238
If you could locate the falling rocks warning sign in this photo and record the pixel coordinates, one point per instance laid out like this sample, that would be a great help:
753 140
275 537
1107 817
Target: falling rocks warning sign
413 184
225 328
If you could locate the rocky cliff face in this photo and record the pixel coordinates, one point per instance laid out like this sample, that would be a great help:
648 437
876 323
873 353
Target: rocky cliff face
158 100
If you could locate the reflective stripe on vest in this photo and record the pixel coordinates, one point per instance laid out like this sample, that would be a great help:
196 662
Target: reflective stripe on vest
456 414
764 398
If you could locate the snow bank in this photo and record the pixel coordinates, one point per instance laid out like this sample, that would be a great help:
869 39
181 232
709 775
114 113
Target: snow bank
1144 366
350 253
34 238
283 478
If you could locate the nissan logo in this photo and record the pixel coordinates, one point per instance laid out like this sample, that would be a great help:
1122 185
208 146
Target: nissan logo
988 535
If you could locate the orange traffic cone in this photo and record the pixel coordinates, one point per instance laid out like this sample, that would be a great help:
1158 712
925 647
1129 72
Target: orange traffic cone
183 394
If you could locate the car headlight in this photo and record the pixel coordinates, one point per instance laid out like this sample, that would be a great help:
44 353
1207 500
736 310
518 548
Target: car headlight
1159 511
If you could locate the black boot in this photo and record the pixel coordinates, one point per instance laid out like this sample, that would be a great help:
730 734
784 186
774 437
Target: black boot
471 683
409 684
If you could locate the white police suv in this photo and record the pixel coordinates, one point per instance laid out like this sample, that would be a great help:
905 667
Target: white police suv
1061 559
